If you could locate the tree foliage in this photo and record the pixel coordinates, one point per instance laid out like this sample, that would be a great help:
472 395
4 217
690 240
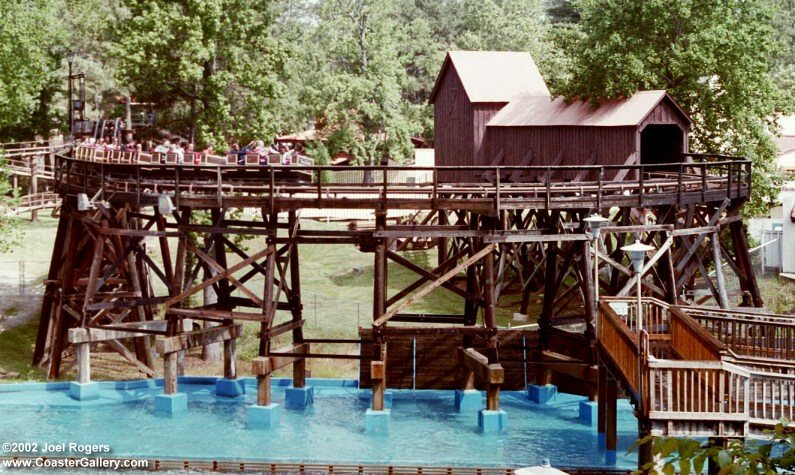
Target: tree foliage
31 50
715 58
683 455
210 65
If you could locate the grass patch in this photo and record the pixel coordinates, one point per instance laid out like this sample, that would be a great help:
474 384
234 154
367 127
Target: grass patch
16 352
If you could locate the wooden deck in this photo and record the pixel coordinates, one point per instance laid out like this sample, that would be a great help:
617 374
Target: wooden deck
725 373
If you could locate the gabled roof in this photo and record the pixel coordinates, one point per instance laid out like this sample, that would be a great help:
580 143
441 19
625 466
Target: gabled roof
540 111
494 76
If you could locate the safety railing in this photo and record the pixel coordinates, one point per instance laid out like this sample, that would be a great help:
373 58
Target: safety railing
750 334
697 390
707 383
322 183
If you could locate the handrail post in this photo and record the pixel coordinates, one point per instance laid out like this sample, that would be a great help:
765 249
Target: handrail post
641 185
729 180
218 183
497 191
703 181
319 186
385 180
138 186
271 186
435 188
679 187
176 185
549 187
600 190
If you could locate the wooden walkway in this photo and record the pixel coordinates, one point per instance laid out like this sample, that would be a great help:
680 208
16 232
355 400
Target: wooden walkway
701 371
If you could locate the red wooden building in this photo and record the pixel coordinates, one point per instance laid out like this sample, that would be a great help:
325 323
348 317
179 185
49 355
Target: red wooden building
470 89
493 115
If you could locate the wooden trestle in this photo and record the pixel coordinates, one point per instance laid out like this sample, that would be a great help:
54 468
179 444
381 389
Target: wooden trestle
520 227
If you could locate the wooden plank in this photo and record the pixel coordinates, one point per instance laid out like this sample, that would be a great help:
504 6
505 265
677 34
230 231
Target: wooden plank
205 336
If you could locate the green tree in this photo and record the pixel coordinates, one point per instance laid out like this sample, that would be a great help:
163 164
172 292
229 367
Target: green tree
784 22
714 57
8 224
210 65
359 77
31 55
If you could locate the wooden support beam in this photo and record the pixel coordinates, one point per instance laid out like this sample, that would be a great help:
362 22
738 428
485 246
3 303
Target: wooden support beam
723 297
230 355
118 331
131 357
217 267
435 284
218 277
479 364
205 336
262 365
263 389
611 414
170 373
379 272
378 376
282 328
207 313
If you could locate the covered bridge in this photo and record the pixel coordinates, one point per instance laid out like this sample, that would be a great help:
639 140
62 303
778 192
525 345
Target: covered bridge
531 128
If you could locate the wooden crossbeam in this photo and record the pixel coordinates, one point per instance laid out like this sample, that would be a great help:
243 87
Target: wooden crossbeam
119 331
435 284
426 275
479 364
264 365
218 277
130 356
219 268
282 328
213 314
205 336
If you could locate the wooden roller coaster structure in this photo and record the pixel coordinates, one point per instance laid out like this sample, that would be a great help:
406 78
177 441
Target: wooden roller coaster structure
524 223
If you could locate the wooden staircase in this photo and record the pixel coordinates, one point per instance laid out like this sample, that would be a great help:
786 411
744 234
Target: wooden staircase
701 371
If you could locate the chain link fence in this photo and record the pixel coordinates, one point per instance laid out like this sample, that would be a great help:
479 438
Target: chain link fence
22 278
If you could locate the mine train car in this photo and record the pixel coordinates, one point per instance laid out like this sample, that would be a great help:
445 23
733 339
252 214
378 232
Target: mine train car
289 168
494 109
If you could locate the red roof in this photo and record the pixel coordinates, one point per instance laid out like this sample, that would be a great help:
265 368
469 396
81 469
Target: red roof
494 76
544 111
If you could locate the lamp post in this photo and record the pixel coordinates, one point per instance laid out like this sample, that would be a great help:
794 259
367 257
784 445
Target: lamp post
70 57
637 254
595 222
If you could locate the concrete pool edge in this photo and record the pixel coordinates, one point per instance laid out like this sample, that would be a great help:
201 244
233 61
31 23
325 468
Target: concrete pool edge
276 466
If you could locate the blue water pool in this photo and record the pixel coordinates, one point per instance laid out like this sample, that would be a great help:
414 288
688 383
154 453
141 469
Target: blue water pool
424 428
